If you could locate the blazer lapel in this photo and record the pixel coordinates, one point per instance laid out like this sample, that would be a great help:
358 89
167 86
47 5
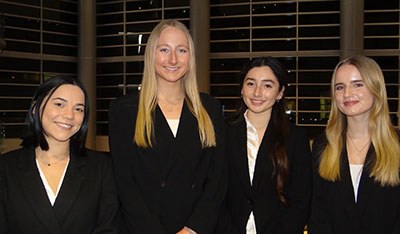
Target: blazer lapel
366 182
345 193
70 187
35 192
240 157
264 168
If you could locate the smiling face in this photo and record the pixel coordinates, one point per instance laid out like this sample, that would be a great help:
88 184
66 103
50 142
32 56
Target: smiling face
351 93
63 114
172 55
260 90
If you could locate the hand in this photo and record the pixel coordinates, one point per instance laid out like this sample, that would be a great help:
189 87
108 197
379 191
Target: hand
186 230
183 231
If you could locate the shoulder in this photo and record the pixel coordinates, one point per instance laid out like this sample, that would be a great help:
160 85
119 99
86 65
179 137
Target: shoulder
211 104
126 101
15 154
319 142
318 146
209 101
96 156
296 133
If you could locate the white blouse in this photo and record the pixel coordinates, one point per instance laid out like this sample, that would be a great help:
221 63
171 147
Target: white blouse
355 172
50 194
252 150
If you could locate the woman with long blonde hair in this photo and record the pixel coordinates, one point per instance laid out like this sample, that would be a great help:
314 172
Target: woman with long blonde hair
357 161
166 142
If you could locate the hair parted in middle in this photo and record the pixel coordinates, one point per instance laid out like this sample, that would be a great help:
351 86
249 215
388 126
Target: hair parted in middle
144 130
36 135
279 121
384 137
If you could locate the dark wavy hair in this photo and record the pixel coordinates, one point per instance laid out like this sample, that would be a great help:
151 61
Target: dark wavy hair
36 135
279 122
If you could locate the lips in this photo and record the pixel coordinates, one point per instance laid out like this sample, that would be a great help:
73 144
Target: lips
350 103
257 102
64 125
172 68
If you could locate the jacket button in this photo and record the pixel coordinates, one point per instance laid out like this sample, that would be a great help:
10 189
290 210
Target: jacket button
162 185
250 202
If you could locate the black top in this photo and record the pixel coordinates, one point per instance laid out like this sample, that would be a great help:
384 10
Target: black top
174 184
334 209
86 203
271 215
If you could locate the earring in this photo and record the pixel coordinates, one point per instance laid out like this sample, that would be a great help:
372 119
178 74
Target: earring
277 100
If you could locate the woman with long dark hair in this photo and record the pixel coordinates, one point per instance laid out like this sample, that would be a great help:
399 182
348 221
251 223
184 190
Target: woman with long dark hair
269 187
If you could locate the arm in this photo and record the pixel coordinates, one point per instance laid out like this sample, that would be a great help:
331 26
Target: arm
207 209
318 222
136 216
299 187
108 220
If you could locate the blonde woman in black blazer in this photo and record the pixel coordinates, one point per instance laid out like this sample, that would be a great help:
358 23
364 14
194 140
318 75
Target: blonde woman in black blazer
356 162
170 177
52 185
271 193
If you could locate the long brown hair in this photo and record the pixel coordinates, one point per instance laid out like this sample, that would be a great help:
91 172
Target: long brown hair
279 122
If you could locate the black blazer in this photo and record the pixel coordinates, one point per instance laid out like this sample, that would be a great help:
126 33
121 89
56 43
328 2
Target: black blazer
174 184
333 206
86 204
271 215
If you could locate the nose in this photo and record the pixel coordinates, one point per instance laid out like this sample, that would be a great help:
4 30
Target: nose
257 91
68 113
172 57
347 92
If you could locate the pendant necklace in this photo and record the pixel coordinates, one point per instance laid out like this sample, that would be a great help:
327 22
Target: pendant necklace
359 151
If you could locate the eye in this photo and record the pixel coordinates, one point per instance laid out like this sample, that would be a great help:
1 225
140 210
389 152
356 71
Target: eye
269 86
338 87
358 84
58 104
250 83
182 50
80 109
164 50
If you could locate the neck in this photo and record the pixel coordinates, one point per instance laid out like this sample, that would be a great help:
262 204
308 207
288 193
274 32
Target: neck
260 121
55 153
357 129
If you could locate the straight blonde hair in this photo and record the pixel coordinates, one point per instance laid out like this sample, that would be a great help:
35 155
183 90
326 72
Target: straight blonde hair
384 137
144 130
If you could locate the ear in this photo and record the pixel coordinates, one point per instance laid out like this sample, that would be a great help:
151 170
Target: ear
280 94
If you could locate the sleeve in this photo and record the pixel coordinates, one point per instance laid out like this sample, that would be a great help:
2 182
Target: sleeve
108 220
205 214
3 222
318 222
136 216
299 189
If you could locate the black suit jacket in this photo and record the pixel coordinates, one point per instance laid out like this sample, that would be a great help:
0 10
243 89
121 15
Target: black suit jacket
334 209
174 184
86 204
271 215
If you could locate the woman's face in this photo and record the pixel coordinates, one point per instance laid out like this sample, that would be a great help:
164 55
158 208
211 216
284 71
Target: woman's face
63 114
261 90
172 55
351 94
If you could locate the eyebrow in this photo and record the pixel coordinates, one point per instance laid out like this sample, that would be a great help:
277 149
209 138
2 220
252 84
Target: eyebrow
351 82
263 80
65 100
161 45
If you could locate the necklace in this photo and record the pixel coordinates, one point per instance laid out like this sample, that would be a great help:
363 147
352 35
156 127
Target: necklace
359 151
48 163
